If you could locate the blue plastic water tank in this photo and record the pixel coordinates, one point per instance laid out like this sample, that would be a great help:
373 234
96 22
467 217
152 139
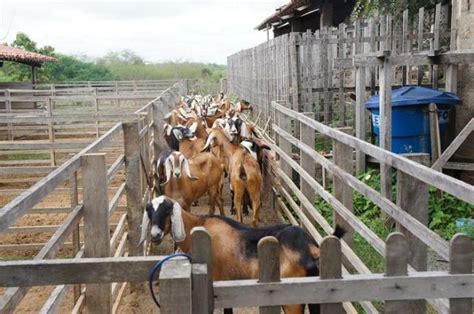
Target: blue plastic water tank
410 118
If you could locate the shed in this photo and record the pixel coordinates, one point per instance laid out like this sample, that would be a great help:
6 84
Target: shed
301 15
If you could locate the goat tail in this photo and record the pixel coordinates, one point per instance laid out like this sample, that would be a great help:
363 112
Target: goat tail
339 232
242 173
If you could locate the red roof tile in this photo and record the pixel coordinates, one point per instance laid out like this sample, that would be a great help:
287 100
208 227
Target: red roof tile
8 53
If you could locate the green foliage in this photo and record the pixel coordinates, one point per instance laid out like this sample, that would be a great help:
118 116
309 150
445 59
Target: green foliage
126 65
120 65
444 209
394 7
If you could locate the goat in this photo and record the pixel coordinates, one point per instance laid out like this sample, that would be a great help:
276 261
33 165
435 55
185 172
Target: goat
237 129
174 135
244 172
203 175
234 245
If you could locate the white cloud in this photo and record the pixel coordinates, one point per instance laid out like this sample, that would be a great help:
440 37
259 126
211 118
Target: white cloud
206 30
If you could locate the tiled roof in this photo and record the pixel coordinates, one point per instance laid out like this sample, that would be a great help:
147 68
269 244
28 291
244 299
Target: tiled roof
8 53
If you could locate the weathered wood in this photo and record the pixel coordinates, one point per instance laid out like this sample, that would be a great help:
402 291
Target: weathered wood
413 225
175 287
453 147
96 229
133 189
342 156
396 261
330 268
385 126
203 301
29 198
76 270
460 262
269 267
435 137
49 108
443 182
76 235
307 136
246 293
360 116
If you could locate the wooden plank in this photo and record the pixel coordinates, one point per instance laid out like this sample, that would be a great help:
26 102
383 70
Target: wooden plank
360 116
114 168
385 126
116 198
96 229
76 270
26 170
460 262
342 156
422 232
307 136
203 301
268 252
175 287
464 166
453 147
424 285
435 137
396 262
133 189
32 196
330 268
443 182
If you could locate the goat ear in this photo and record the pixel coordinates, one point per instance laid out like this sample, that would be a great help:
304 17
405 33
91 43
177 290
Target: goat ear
178 134
177 225
244 132
208 143
168 167
193 127
145 223
187 170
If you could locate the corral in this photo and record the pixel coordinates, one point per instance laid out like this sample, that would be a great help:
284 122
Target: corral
94 154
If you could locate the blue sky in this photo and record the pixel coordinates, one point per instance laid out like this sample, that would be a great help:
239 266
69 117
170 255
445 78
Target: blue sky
206 31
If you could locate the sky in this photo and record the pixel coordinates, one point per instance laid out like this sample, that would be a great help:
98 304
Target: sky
159 30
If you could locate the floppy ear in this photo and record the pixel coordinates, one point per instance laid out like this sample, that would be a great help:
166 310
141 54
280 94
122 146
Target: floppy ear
177 225
168 169
145 223
178 134
187 170
193 127
244 132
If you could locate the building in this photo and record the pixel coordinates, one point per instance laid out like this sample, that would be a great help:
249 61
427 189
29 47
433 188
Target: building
301 15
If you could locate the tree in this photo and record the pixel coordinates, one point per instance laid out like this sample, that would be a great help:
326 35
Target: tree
365 8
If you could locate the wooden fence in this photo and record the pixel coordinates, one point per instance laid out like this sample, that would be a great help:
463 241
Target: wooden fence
94 197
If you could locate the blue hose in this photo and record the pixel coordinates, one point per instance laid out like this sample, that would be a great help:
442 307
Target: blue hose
156 268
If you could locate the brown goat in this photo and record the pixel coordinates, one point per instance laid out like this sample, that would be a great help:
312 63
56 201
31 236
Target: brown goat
234 245
203 175
244 173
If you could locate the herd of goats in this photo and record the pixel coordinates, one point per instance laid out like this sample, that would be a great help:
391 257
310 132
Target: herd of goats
210 142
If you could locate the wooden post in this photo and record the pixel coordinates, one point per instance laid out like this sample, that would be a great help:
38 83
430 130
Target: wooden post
159 112
307 136
268 267
133 190
330 268
436 34
396 264
435 137
175 287
326 15
385 138
76 236
203 295
343 192
421 17
8 108
412 196
460 262
284 122
96 227
96 111
117 101
360 116
52 151
406 45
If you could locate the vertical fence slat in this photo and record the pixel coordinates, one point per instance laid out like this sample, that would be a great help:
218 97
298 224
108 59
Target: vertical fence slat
76 239
330 268
360 116
96 227
460 262
203 296
268 267
396 262
175 287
